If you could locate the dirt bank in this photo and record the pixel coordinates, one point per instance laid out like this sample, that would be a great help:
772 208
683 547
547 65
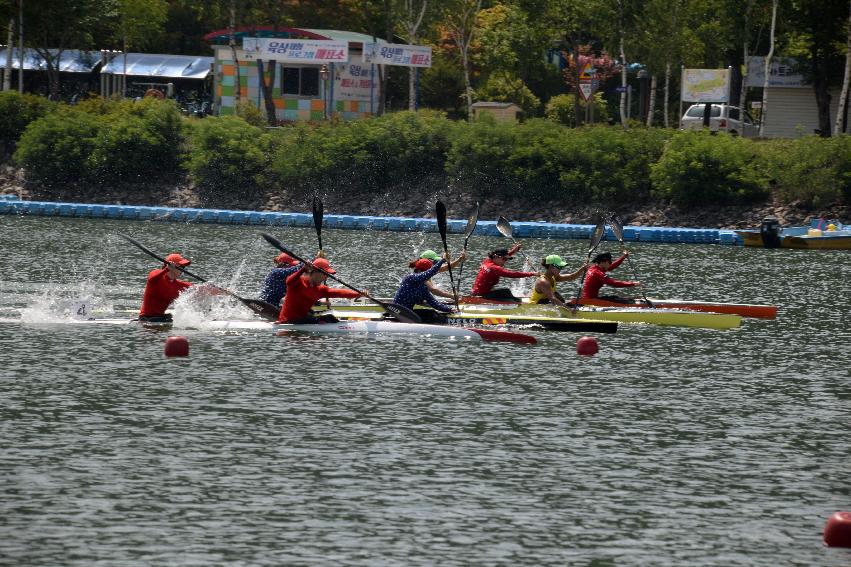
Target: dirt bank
418 201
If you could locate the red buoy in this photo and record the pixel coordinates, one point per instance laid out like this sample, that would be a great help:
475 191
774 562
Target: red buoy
176 346
587 346
837 530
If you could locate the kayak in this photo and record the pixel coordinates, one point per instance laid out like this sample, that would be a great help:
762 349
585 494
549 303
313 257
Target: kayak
341 328
487 319
742 309
526 312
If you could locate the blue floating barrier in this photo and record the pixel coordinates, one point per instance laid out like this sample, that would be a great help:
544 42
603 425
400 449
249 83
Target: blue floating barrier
129 213
66 210
5 206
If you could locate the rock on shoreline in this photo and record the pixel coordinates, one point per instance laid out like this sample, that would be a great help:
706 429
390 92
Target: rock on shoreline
418 201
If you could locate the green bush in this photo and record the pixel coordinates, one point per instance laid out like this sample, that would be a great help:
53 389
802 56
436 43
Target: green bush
812 170
56 148
364 155
560 109
542 160
16 113
698 168
141 141
226 154
504 88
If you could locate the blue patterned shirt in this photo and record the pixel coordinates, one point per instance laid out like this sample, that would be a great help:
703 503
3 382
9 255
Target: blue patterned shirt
275 285
414 291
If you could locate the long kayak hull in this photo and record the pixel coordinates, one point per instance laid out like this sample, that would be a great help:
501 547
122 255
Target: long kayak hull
515 313
342 328
497 319
742 309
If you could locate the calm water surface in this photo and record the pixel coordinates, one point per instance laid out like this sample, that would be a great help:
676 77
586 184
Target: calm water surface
671 447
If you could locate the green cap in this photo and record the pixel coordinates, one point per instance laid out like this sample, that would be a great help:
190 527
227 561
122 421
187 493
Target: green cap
553 260
430 255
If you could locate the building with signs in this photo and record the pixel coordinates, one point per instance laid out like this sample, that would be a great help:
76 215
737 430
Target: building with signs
317 73
792 108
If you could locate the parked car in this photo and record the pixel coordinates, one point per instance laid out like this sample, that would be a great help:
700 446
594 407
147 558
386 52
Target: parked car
722 118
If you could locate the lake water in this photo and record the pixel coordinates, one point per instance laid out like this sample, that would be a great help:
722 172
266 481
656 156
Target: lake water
673 446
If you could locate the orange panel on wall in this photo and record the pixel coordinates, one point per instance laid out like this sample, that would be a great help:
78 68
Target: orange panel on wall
317 104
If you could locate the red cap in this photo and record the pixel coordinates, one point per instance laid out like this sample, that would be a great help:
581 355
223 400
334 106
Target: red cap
324 264
177 259
423 264
284 259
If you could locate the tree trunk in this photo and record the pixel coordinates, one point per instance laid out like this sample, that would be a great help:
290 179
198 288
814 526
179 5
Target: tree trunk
384 70
237 87
839 125
764 109
468 90
268 100
652 105
7 72
743 92
412 25
577 72
623 84
667 93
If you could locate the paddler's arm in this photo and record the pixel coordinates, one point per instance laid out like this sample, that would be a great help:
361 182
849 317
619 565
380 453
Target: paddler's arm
619 283
543 286
437 291
619 261
572 276
455 263
502 272
514 249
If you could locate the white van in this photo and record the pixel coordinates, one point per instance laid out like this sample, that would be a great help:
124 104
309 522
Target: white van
722 118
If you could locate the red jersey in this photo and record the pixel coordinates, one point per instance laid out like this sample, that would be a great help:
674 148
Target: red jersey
301 296
160 291
489 274
596 278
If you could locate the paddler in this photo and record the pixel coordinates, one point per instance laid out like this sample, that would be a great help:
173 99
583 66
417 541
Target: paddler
163 287
597 278
433 256
493 268
304 288
544 290
275 285
414 289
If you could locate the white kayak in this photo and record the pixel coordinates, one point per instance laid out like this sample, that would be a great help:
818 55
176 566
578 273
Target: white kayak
343 327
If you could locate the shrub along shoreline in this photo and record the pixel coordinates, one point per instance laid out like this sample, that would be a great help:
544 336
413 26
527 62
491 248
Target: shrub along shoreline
405 158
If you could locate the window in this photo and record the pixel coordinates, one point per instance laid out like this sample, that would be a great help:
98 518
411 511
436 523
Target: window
696 111
733 112
301 81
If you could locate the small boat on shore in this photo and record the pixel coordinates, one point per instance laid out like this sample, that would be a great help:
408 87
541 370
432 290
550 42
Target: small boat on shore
820 235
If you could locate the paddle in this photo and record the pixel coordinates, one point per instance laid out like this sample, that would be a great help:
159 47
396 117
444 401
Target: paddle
596 237
318 213
262 308
399 311
617 228
504 227
468 231
440 212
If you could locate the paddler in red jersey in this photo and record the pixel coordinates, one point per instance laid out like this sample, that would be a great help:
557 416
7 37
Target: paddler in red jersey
162 288
597 278
305 288
492 269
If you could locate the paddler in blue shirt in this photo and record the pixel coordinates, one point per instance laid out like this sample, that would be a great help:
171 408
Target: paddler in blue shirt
434 257
414 290
275 285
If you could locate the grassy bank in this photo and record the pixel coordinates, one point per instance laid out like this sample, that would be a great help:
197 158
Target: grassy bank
103 143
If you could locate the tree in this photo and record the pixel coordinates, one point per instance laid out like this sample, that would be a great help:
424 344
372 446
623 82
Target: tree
140 21
53 27
460 18
413 12
764 107
839 127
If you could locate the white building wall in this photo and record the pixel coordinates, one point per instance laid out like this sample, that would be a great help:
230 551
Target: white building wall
792 112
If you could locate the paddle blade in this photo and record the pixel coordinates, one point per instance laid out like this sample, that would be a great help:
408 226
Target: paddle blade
318 214
440 213
263 308
617 226
402 313
504 227
471 225
597 235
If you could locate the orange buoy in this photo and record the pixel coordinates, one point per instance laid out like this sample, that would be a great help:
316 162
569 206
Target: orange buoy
837 530
587 346
176 346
